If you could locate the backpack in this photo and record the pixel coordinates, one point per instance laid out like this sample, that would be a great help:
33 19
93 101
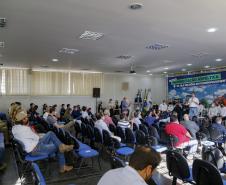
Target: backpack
213 155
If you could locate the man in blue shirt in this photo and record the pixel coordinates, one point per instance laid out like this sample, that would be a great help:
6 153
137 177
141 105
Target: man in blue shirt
219 126
150 119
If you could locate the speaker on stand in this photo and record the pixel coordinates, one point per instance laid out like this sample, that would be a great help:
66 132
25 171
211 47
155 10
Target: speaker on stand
96 94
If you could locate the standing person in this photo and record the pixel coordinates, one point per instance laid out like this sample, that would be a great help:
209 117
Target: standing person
111 107
193 105
142 164
34 145
178 110
163 106
125 106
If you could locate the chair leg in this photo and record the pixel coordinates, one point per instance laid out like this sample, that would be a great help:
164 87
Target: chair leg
98 159
80 165
174 181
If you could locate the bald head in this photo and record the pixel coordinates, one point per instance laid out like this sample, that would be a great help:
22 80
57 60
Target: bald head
186 117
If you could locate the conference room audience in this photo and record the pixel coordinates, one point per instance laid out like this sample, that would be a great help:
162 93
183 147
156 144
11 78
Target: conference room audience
142 164
179 131
191 126
76 112
107 118
123 121
52 120
84 113
213 111
62 110
136 119
34 145
150 119
163 106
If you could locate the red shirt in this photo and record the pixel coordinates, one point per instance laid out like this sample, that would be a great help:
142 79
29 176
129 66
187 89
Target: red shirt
177 130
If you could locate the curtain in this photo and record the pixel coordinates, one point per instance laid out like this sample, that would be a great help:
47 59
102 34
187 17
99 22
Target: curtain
76 84
92 80
2 86
16 81
50 83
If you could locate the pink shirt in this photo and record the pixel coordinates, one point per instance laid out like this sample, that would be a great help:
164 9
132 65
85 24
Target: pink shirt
108 120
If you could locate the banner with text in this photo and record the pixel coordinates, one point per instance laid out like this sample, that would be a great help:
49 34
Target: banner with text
208 87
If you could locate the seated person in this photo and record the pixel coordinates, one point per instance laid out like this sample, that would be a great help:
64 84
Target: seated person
142 164
123 122
76 113
34 145
191 126
62 110
136 119
52 120
107 118
4 130
84 113
218 125
150 119
184 138
45 115
67 115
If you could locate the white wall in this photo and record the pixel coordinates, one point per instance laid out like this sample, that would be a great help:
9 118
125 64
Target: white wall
112 88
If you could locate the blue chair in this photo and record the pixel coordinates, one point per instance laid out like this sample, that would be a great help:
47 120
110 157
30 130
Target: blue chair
37 174
178 167
205 173
2 147
24 159
115 146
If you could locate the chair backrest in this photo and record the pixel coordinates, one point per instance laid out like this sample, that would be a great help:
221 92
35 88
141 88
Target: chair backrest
205 173
77 127
37 174
144 128
83 129
98 135
18 147
112 128
120 133
117 163
107 140
90 132
130 138
153 132
177 165
140 137
213 155
135 128
215 134
61 136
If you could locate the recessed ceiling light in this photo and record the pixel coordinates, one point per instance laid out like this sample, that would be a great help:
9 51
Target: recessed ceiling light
148 71
165 72
135 6
183 69
91 35
207 66
68 51
218 59
166 68
55 60
211 30
157 46
189 64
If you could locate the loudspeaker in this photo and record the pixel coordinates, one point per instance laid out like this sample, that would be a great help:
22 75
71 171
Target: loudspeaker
96 92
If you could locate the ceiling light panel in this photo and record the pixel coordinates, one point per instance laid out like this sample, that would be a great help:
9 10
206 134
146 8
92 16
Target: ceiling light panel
68 51
218 59
89 35
157 46
211 30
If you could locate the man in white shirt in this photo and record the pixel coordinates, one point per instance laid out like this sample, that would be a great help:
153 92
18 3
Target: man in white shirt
34 145
223 111
193 106
213 111
142 164
163 106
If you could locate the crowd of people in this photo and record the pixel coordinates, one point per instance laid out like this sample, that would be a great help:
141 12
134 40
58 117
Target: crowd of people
181 121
